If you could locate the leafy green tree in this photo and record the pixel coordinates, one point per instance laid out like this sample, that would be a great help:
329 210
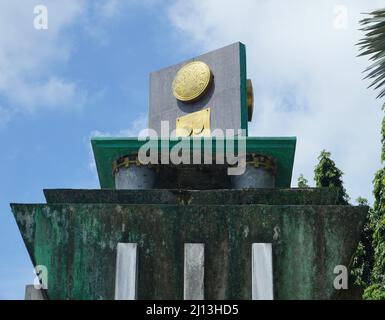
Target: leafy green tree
363 259
328 175
373 44
377 224
302 182
362 202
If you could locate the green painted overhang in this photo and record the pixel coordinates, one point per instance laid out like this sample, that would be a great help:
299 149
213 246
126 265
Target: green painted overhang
108 149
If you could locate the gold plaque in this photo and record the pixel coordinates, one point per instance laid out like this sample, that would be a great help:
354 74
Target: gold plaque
196 124
192 81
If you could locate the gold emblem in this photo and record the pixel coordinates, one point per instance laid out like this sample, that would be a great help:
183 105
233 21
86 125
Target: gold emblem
196 124
191 81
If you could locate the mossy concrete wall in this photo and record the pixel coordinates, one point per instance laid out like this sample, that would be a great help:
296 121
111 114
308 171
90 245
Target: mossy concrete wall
293 196
77 243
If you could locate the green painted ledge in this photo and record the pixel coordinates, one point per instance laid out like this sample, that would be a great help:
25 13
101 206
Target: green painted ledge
107 149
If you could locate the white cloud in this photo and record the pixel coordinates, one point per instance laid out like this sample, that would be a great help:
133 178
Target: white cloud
101 13
306 76
53 93
28 57
138 127
110 8
29 80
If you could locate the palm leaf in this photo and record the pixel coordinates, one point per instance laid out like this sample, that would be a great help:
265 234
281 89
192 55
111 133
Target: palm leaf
373 44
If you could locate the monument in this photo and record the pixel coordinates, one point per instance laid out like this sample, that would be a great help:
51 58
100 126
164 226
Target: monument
197 209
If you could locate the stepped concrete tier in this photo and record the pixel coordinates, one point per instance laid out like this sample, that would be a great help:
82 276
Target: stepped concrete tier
318 196
77 233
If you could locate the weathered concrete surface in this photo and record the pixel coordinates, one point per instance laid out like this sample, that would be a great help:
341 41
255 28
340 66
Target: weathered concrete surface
126 271
262 271
33 294
193 177
254 178
134 178
315 196
308 242
194 269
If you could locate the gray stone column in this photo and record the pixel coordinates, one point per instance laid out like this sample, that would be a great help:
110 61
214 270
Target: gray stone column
130 174
135 178
254 178
260 172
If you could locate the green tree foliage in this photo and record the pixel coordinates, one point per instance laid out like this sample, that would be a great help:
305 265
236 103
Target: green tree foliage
374 292
363 259
383 137
373 44
377 224
302 182
328 175
362 201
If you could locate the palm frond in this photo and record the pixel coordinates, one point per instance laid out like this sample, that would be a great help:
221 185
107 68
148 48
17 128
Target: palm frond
373 44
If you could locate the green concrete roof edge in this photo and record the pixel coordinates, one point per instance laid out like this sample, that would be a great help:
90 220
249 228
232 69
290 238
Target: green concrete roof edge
108 149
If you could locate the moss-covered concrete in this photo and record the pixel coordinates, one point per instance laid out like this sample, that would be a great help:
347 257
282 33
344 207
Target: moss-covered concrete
77 243
247 196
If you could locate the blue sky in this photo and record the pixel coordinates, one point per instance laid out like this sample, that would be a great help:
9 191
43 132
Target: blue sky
88 75
48 147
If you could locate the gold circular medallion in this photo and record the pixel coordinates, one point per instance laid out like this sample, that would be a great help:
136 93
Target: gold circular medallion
191 81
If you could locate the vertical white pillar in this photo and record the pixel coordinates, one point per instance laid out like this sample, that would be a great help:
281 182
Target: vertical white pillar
126 271
262 271
194 254
33 294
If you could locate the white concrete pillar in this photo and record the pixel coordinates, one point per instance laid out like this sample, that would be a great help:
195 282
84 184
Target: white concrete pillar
126 271
262 271
194 254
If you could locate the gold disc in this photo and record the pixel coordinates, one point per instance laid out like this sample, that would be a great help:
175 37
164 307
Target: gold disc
191 81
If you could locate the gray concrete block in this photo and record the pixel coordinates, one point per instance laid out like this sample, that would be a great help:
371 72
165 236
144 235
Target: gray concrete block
31 293
224 98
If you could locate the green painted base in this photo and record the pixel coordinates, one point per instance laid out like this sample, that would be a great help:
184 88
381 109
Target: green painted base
282 150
